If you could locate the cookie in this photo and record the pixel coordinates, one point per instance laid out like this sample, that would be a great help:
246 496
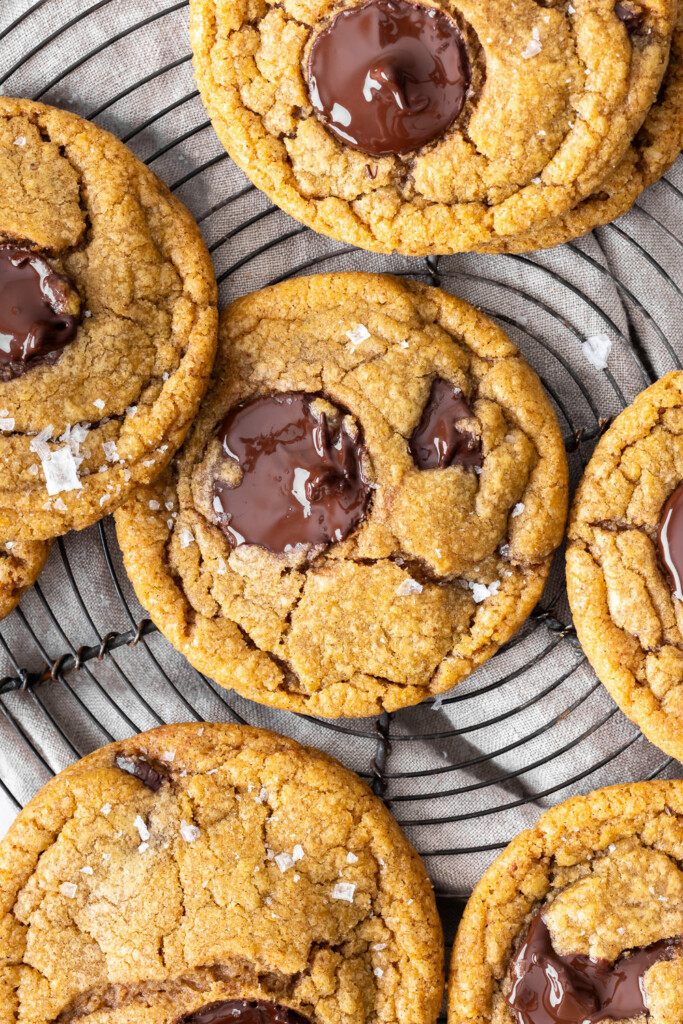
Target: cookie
214 873
21 563
104 361
650 155
580 918
451 128
366 506
623 557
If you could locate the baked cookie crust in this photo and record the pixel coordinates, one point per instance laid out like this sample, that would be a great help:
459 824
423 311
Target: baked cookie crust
120 398
606 869
626 616
199 863
446 564
556 99
21 563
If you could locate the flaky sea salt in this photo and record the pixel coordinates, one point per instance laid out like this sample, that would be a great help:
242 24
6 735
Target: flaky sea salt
517 510
60 471
98 403
379 946
378 972
68 889
596 349
131 410
533 46
358 334
6 423
185 537
142 828
154 505
168 755
86 871
110 452
143 846
344 891
480 591
20 140
351 858
408 587
105 809
297 853
284 861
189 832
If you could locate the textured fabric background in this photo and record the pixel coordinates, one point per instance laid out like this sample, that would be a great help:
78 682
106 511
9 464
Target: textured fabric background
530 728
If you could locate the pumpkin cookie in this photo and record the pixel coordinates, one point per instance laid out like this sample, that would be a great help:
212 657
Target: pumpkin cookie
214 873
104 360
21 563
580 918
429 127
625 562
366 506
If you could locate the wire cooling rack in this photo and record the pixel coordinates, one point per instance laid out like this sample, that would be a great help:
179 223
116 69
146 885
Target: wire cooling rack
80 664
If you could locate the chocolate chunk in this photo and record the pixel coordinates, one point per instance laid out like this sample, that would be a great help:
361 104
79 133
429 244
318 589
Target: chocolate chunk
302 478
142 770
389 76
631 19
438 440
670 541
552 989
35 324
240 1011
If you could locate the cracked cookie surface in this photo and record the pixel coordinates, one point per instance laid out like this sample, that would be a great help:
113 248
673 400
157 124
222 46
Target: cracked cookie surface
21 563
108 411
556 96
627 618
605 871
200 863
445 564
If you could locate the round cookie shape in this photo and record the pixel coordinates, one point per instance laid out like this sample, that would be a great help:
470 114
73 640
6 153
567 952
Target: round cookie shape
626 614
21 563
254 872
446 562
556 97
91 240
580 918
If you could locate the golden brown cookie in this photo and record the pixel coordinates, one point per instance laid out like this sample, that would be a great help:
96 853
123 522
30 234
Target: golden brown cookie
649 156
627 616
21 563
554 97
589 897
209 864
105 360
445 455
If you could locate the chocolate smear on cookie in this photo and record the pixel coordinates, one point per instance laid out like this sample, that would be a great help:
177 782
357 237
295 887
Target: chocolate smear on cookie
670 541
389 76
36 311
142 770
303 480
242 1011
631 19
551 989
439 440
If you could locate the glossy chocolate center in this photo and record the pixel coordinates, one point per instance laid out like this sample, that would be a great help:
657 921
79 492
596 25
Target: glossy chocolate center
670 540
552 989
241 1011
302 478
34 322
389 76
631 19
142 770
439 439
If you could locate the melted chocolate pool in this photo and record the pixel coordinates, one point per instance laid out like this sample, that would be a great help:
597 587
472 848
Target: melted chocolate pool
389 76
670 541
438 441
240 1011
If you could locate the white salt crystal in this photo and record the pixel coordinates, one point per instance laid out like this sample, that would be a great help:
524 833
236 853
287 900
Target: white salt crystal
186 537
284 861
596 349
189 832
344 891
480 591
168 755
110 452
532 48
105 808
20 140
143 846
297 853
68 889
142 828
222 568
378 972
98 403
518 509
408 587
154 505
6 423
39 443
33 470
379 946
131 410
61 505
60 471
351 858
86 871
358 334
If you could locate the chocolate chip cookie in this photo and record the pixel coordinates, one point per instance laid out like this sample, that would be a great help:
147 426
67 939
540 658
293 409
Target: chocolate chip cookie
430 127
625 562
21 563
214 873
580 918
107 322
366 506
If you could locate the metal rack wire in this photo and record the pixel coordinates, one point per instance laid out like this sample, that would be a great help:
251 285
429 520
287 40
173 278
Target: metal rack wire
80 664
